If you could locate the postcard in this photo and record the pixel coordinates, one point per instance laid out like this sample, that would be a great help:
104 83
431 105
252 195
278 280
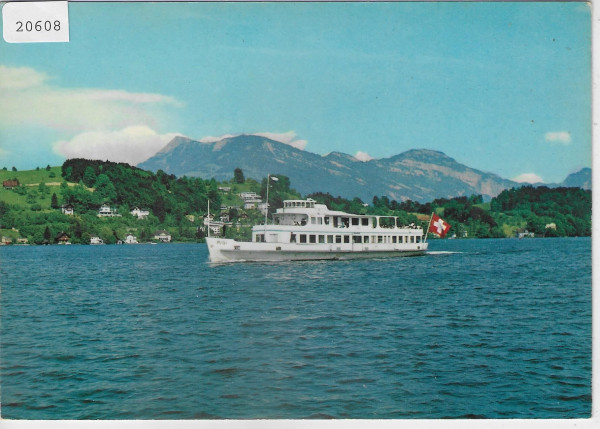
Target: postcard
297 211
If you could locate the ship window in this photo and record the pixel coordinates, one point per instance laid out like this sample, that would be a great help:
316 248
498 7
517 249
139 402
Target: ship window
365 221
387 222
338 238
326 220
302 238
320 220
313 220
380 239
412 238
355 221
357 239
321 239
346 222
366 239
260 238
346 239
418 239
293 238
394 239
330 238
312 238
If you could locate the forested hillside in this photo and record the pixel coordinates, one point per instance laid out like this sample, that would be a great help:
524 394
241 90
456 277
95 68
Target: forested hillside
123 185
543 211
32 204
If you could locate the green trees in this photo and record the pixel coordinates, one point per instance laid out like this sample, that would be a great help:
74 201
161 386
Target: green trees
238 176
279 190
105 189
89 176
547 211
171 201
54 201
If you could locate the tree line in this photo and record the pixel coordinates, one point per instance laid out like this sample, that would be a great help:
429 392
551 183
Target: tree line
177 204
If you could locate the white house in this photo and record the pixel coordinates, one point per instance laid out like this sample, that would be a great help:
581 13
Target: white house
131 239
140 214
263 207
67 209
96 240
524 233
216 227
248 195
106 211
162 236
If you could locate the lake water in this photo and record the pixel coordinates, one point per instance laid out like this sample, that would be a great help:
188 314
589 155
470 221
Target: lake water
479 328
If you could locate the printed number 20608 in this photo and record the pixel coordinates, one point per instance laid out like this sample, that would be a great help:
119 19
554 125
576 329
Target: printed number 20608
38 26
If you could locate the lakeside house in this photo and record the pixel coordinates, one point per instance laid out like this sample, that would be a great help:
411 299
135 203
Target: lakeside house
139 213
162 236
94 239
217 227
10 184
131 239
524 233
67 209
63 238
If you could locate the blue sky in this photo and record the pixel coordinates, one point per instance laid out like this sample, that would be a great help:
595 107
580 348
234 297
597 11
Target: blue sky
502 87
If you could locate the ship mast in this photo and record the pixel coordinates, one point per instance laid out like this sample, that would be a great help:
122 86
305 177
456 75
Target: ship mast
269 178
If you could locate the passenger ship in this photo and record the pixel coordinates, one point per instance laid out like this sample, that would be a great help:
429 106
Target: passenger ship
306 230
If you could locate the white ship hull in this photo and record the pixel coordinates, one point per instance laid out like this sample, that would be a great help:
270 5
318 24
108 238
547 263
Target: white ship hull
226 250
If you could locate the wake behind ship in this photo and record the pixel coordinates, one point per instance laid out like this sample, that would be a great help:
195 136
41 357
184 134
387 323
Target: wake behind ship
305 230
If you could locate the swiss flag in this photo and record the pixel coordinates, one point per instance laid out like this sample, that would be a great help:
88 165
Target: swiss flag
438 226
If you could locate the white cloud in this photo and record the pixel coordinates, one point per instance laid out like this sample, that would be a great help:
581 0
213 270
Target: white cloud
28 100
213 139
561 137
285 138
528 178
132 144
363 156
17 78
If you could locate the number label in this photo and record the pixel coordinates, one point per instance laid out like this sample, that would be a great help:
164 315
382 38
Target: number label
30 22
38 26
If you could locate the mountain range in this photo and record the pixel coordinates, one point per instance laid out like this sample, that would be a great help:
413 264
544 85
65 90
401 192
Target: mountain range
419 174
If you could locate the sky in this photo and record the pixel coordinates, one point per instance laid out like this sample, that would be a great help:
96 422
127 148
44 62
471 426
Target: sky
501 87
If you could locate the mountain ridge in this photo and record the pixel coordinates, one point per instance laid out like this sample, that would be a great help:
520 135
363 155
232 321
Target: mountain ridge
417 174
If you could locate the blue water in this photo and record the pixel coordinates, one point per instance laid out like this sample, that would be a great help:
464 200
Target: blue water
480 328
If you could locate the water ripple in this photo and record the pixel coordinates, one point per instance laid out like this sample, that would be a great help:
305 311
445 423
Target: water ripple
491 330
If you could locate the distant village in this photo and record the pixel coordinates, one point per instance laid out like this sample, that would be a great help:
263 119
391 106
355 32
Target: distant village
251 201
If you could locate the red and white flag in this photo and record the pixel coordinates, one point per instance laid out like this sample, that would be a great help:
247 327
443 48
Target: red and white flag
438 226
